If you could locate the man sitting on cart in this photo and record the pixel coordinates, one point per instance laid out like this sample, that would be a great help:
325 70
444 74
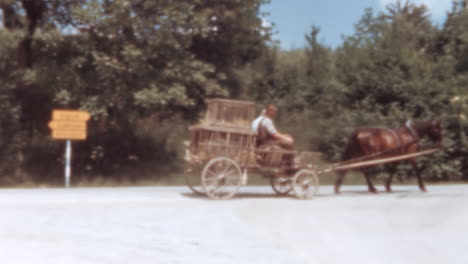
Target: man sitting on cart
268 135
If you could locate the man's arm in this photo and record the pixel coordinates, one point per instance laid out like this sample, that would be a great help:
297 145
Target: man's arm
284 137
275 133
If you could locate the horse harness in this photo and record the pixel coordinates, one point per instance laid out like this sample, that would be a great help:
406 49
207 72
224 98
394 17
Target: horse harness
410 128
396 136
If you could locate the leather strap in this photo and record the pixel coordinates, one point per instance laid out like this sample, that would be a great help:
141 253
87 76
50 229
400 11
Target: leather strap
409 126
395 135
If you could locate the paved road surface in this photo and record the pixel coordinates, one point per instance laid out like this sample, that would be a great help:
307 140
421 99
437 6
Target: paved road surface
170 225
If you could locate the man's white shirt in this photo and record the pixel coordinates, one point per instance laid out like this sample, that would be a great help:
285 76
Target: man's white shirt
266 122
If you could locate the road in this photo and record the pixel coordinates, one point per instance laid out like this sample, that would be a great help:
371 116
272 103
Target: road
170 225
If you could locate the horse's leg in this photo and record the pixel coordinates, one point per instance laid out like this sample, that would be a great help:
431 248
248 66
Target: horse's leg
339 181
418 174
370 185
391 172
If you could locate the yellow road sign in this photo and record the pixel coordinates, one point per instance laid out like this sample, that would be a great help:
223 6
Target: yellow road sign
70 115
67 125
64 134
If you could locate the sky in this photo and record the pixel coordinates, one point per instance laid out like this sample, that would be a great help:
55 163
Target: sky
292 19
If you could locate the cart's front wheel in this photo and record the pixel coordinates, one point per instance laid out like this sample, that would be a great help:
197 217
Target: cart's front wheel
282 185
305 184
221 178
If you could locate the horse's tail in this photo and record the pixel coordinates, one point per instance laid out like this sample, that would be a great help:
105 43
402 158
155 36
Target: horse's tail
351 150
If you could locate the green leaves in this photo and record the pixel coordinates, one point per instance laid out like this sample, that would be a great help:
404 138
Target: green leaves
128 61
123 61
396 66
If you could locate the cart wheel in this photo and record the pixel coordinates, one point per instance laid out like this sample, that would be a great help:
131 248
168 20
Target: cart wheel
282 185
305 184
193 181
221 178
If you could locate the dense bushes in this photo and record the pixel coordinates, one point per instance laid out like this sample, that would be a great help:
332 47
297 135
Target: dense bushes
143 69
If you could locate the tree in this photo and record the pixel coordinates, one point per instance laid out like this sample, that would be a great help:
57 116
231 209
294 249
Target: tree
11 136
124 61
392 72
237 36
452 47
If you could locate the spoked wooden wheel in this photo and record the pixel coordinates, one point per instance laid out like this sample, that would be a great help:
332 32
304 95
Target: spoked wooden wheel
221 178
193 180
305 184
282 184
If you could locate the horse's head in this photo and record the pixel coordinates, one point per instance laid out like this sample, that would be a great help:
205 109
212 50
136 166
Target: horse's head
434 132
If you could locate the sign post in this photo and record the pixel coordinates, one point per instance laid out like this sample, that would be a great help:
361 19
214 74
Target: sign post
68 163
68 125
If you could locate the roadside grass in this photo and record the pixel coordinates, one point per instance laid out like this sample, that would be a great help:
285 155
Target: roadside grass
151 177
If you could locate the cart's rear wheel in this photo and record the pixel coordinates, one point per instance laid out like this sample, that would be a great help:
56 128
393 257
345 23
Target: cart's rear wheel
193 180
281 184
305 184
221 178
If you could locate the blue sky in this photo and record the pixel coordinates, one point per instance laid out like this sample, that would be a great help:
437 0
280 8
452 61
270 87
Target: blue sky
294 18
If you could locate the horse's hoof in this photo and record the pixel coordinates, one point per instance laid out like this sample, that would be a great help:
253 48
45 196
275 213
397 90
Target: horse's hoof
423 189
374 191
388 189
337 190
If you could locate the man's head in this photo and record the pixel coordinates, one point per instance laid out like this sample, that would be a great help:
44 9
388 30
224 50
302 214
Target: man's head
271 110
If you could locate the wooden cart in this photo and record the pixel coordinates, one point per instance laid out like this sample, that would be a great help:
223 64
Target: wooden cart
221 154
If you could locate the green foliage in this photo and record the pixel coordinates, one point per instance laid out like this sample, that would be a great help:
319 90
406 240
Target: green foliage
123 62
236 37
396 66
10 133
393 72
143 69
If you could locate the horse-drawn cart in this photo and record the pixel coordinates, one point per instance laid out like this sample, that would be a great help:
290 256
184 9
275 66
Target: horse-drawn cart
222 152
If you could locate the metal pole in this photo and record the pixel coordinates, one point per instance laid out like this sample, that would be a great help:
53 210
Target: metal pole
67 163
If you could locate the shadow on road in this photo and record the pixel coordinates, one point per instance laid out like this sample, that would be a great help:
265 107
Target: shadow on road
240 195
365 192
399 194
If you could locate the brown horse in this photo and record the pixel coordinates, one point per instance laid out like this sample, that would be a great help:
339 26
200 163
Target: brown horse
399 141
